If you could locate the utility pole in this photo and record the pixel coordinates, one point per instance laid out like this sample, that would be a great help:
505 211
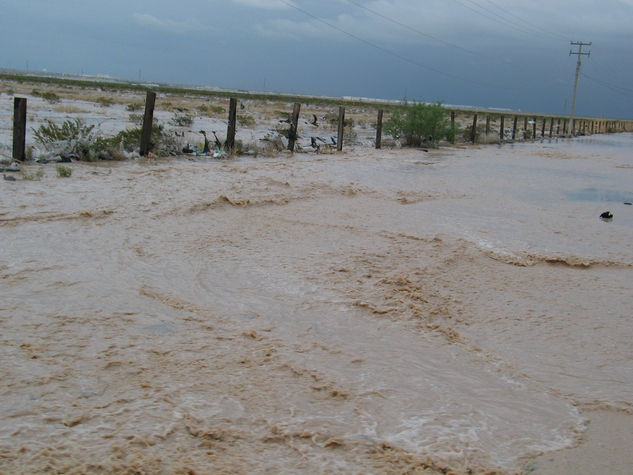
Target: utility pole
580 54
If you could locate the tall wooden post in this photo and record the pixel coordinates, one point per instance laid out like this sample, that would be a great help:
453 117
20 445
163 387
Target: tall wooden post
146 134
453 133
551 126
487 126
557 127
294 127
525 124
341 128
19 128
514 127
473 132
534 129
379 129
229 143
502 131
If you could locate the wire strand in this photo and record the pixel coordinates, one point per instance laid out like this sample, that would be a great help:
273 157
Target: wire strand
393 53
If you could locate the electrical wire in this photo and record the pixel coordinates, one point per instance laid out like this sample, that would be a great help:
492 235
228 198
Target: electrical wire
617 89
527 23
393 53
491 15
414 30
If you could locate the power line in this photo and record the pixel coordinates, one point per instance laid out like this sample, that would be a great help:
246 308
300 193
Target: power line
415 30
491 15
617 89
527 23
390 52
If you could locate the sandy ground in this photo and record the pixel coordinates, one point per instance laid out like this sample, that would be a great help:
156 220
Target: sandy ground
388 311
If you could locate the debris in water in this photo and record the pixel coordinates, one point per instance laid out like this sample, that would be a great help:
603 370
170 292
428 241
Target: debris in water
606 216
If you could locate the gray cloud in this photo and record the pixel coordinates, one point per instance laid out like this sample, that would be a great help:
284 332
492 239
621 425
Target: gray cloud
264 4
171 26
450 50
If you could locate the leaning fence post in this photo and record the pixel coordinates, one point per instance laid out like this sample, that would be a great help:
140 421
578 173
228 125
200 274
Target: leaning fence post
229 143
294 127
341 128
473 132
502 131
379 129
19 128
146 134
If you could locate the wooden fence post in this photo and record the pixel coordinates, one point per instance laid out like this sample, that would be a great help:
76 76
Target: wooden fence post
341 128
379 129
534 129
473 132
551 126
453 127
487 126
19 128
525 124
294 127
514 127
543 127
146 134
557 127
229 143
502 131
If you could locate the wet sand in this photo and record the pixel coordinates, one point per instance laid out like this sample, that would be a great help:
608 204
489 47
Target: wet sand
374 311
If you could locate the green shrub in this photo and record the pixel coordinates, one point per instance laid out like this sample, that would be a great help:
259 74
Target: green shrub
245 120
63 171
47 96
51 97
136 119
104 101
29 155
130 139
72 131
217 110
74 137
416 123
134 107
181 120
37 176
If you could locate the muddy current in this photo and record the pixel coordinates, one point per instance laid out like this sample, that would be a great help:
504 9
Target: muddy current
374 311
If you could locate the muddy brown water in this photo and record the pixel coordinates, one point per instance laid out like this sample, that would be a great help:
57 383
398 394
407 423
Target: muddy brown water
374 311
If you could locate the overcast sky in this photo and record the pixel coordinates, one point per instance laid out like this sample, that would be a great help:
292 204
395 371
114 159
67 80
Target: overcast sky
493 53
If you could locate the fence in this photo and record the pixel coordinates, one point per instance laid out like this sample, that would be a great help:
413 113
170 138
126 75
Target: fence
533 128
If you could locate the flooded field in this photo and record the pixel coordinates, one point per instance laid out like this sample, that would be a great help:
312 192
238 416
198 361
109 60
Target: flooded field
372 311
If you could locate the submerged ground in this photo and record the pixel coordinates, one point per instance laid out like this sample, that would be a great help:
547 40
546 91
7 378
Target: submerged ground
372 311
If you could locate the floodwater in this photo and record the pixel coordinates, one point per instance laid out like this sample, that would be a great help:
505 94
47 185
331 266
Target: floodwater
374 311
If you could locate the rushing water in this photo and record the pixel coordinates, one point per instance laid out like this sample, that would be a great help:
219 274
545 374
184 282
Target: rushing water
371 311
